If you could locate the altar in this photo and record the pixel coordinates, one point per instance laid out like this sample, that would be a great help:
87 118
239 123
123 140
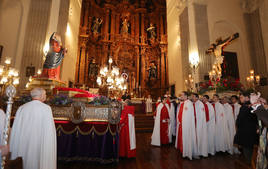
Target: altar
87 141
87 132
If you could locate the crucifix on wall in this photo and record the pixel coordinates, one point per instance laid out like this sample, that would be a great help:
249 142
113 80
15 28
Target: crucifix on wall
217 48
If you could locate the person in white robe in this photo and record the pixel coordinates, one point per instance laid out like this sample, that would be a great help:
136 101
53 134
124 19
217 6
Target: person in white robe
210 125
221 133
172 117
236 106
33 135
149 104
2 125
230 123
186 134
201 126
156 136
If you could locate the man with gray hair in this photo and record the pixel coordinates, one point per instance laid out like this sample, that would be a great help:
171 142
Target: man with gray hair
33 135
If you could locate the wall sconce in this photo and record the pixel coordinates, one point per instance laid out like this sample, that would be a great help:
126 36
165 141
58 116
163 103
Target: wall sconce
194 60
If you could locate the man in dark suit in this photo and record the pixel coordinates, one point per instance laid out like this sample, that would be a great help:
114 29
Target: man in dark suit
246 124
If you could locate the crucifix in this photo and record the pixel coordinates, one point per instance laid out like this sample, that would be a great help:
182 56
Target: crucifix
217 48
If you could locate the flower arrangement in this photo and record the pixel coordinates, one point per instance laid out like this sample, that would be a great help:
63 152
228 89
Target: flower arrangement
24 99
222 85
60 100
100 100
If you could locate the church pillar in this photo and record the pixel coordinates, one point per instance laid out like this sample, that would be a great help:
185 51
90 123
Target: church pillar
85 26
106 25
198 39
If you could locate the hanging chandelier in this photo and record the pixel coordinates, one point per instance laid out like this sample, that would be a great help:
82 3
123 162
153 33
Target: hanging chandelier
109 77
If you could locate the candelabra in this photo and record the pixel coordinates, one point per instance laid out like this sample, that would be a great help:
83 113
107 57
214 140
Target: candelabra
109 77
189 83
8 75
215 75
194 63
253 80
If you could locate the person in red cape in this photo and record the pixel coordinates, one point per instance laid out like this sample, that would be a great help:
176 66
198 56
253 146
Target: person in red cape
161 134
186 133
127 146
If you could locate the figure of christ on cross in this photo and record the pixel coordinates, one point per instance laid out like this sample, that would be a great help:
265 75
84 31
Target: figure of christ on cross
217 48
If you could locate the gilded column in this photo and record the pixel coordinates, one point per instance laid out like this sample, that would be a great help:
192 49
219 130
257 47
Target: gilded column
143 64
137 65
113 25
137 29
106 27
142 28
162 67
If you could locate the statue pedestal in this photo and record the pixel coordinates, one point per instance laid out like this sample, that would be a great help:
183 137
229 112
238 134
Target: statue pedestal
46 83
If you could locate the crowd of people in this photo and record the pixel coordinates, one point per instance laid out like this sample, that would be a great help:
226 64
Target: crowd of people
198 126
204 126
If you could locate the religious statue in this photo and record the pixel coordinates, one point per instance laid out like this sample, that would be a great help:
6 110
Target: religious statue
125 26
96 25
54 57
151 30
152 71
217 48
93 69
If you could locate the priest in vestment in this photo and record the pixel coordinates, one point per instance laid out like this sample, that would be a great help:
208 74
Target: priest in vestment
172 117
221 133
201 126
149 106
161 132
186 131
235 105
2 125
127 147
230 123
33 135
210 118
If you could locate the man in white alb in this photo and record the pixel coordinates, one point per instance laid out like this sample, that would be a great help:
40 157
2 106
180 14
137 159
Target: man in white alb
210 116
221 134
201 126
33 135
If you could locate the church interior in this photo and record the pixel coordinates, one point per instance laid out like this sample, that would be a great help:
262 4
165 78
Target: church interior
131 49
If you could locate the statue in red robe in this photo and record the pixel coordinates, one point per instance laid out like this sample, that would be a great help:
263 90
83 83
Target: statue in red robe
54 57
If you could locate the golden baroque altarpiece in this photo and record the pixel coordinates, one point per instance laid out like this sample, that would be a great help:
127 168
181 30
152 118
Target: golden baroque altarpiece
134 34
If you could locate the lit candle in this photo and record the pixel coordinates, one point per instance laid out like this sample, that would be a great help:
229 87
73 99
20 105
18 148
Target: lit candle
257 78
8 61
39 72
251 72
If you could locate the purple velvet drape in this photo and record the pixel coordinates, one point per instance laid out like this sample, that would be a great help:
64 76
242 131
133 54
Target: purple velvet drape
92 146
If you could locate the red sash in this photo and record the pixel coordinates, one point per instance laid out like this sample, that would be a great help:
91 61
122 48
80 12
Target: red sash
214 110
194 115
180 143
207 112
